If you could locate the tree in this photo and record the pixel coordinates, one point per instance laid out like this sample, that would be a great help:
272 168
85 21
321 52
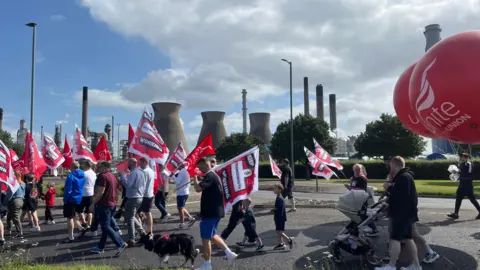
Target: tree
237 143
7 139
305 128
388 137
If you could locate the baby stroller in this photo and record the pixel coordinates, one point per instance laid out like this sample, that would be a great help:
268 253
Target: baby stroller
359 206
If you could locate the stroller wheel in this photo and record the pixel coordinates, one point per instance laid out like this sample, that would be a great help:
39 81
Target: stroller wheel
334 251
372 258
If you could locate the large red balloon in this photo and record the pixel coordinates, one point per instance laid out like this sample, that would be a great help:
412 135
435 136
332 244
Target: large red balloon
401 103
445 88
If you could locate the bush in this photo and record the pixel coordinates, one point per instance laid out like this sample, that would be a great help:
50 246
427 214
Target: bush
377 169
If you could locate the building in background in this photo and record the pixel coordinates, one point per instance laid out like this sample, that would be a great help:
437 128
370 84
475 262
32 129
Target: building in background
123 149
22 133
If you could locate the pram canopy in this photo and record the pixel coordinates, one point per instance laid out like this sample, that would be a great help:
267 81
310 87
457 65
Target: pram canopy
352 200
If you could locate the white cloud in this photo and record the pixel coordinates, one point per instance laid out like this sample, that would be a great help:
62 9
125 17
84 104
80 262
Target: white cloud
57 18
355 48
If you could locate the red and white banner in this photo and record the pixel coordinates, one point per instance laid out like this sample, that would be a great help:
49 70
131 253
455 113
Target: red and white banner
319 168
13 155
81 149
239 177
7 175
131 134
67 154
325 157
203 149
32 160
147 142
101 150
51 154
176 159
275 169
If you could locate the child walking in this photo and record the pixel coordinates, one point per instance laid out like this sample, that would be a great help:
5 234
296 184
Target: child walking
49 202
280 217
250 225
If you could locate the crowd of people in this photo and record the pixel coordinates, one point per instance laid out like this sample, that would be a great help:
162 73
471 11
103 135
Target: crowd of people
91 197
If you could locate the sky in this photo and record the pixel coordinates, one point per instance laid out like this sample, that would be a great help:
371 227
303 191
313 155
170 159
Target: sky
202 53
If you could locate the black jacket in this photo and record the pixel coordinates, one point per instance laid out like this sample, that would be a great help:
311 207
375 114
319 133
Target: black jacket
287 176
466 171
403 199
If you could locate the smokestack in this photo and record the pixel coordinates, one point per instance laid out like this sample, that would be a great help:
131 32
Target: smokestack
108 131
333 111
213 123
85 113
167 122
320 113
244 110
22 124
305 97
58 135
432 35
260 128
113 127
1 119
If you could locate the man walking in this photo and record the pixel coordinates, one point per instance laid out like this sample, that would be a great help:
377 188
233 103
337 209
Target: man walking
147 200
162 193
182 184
135 186
105 199
211 211
83 209
465 188
287 181
72 198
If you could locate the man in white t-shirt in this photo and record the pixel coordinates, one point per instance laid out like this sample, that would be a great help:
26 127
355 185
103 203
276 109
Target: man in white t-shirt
182 184
146 206
83 209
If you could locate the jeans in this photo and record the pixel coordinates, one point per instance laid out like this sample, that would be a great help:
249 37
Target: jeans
105 214
160 202
96 221
232 224
131 209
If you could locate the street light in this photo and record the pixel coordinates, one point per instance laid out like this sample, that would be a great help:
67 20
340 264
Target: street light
292 160
32 90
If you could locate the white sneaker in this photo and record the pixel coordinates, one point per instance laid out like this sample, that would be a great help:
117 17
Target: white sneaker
431 257
411 267
35 229
53 221
181 226
385 267
231 256
94 233
120 232
205 266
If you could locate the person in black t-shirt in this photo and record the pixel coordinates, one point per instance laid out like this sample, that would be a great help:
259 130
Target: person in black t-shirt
280 217
211 211
465 188
287 182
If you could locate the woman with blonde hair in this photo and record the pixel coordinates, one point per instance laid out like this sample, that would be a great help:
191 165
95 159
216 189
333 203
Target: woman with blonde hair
15 206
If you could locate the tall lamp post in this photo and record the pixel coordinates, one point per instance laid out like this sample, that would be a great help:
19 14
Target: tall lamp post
292 160
32 85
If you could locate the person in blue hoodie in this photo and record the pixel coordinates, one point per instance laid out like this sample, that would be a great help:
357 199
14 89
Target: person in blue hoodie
73 193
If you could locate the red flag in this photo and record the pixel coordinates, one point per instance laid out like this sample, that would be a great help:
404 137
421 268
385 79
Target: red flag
51 154
319 167
67 154
147 142
239 177
13 155
81 149
325 157
32 160
275 169
203 149
7 175
131 134
101 150
176 159
158 179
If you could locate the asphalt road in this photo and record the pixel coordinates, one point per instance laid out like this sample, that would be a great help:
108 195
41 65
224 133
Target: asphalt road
456 242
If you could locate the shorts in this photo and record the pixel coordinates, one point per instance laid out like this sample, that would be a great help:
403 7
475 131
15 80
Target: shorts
208 227
279 225
146 205
401 229
287 193
69 210
30 205
84 206
181 201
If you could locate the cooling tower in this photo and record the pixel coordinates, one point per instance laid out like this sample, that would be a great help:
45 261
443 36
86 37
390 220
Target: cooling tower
333 111
319 99
260 128
305 97
213 123
167 121
244 110
85 112
1 118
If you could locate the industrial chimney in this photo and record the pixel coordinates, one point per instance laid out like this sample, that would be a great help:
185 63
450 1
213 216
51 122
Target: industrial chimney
58 135
260 128
333 111
167 122
108 131
319 99
213 123
85 113
1 119
244 110
305 97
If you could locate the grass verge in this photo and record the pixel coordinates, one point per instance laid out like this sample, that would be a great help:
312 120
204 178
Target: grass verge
23 266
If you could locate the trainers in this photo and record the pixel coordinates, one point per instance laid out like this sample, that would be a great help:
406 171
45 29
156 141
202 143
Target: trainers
411 267
53 221
231 256
431 257
119 232
259 248
206 266
166 217
280 247
191 221
68 241
385 267
453 216
240 244
181 226
290 243
121 249
82 233
96 250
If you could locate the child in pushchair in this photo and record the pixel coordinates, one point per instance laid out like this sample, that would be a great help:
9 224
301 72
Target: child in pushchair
359 206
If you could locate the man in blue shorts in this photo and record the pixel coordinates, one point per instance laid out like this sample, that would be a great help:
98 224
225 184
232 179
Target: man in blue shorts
211 211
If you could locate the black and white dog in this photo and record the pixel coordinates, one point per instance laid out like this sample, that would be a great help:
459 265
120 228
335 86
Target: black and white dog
166 245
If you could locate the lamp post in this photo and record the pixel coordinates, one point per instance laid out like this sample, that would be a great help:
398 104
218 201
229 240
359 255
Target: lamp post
292 160
32 85
118 144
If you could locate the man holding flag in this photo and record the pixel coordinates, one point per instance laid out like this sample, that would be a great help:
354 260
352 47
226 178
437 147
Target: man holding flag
287 181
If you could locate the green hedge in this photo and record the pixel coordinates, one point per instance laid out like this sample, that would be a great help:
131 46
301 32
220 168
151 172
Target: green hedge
377 169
